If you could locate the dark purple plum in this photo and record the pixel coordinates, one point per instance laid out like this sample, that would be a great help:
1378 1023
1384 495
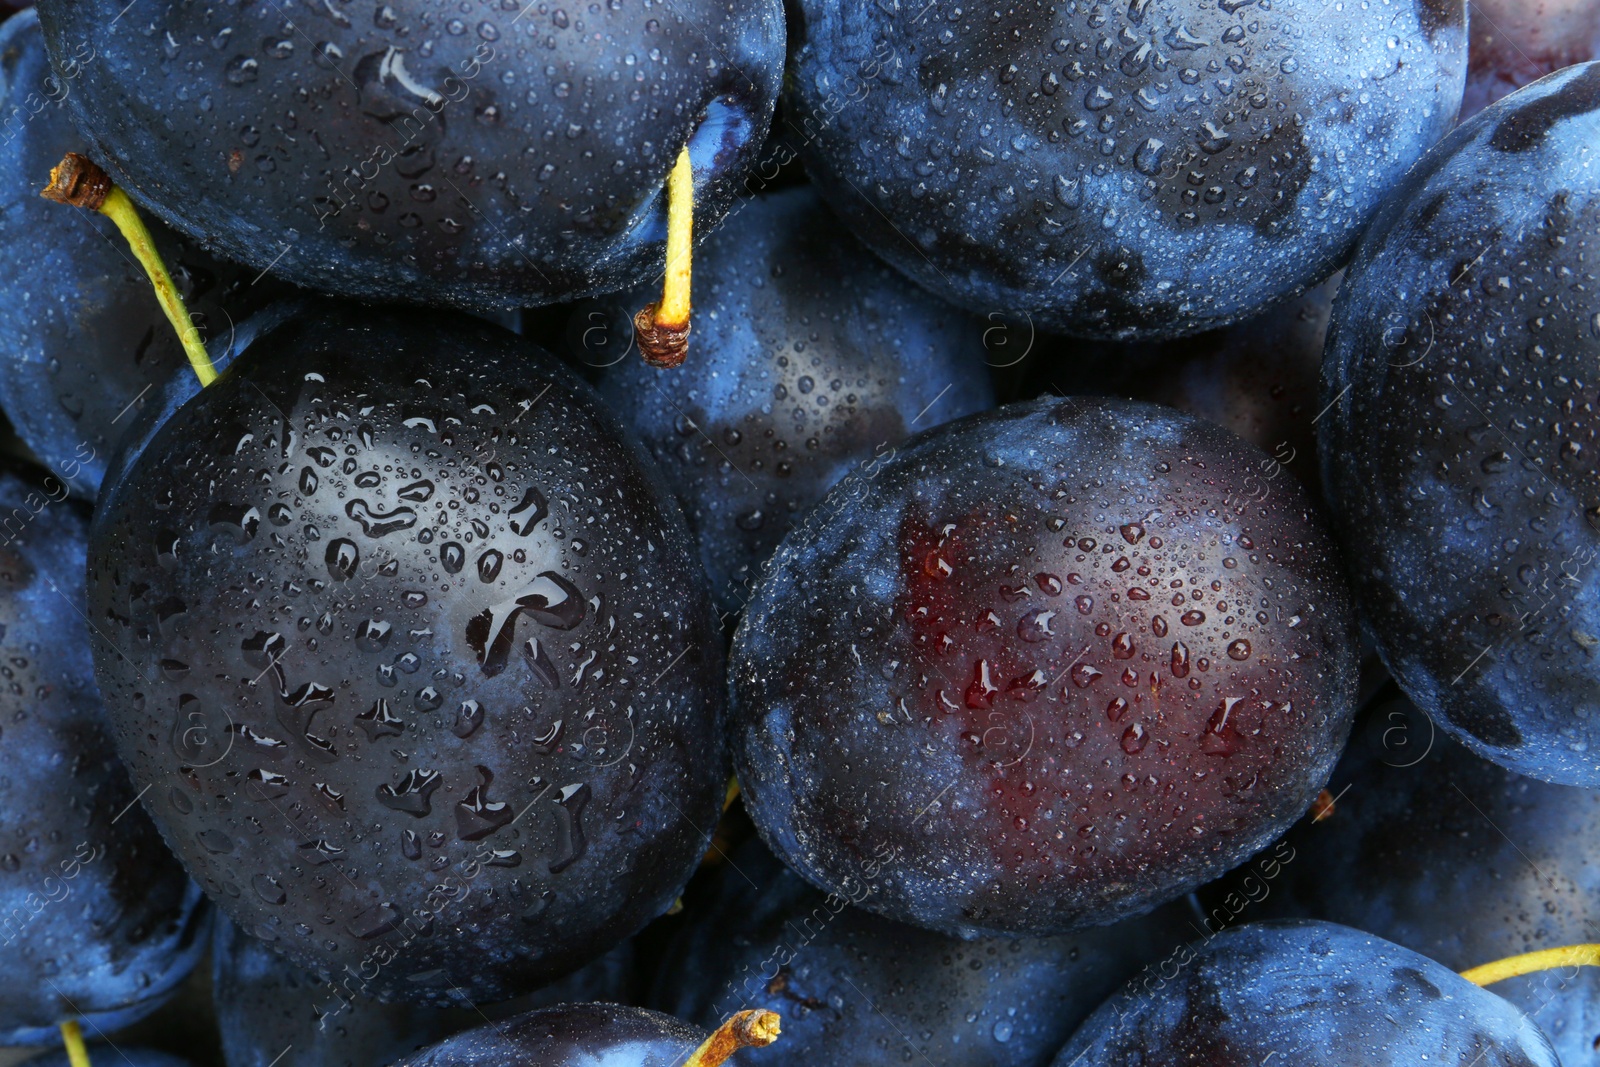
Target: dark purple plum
1517 42
267 1007
97 920
813 359
1311 994
485 158
1049 667
1122 170
1451 856
409 645
1459 450
855 989
571 1035
84 340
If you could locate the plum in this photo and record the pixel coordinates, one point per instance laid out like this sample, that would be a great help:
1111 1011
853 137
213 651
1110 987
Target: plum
855 989
485 158
409 642
1127 170
1047 667
1308 993
1459 447
97 920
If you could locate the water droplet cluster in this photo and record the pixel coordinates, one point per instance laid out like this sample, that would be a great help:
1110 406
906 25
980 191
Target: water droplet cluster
1460 445
1050 664
1121 168
412 151
93 908
403 638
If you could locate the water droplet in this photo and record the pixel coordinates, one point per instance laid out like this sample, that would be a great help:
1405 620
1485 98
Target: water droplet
376 522
489 565
343 557
529 513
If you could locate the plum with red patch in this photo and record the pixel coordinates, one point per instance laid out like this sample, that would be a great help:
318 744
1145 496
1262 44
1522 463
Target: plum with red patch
1050 667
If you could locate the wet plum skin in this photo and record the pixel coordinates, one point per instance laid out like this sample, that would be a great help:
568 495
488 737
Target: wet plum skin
1314 993
978 673
570 1035
811 358
83 337
265 1004
1459 471
387 157
1517 42
1455 858
1128 171
994 1002
366 649
94 911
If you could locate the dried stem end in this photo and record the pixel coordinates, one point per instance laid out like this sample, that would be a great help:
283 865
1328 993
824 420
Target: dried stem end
662 344
747 1029
662 329
79 181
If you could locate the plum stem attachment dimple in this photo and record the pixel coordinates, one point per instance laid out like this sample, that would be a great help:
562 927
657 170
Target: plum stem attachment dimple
72 1037
746 1029
662 328
79 181
1530 962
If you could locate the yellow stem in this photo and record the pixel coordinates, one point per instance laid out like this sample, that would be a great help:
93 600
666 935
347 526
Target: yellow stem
662 328
747 1029
79 182
120 210
732 794
1529 962
674 307
72 1037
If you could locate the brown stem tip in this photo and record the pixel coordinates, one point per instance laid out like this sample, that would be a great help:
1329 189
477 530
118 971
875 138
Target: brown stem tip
747 1029
79 181
662 344
1323 807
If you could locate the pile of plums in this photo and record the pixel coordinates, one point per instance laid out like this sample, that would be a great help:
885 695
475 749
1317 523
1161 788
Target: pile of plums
1115 581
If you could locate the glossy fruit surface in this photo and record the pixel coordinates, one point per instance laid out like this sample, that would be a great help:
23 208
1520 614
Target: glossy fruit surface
1459 451
97 920
487 158
409 644
1456 858
1517 42
856 989
1049 669
1309 993
812 359
84 341
1127 170
571 1035
267 1007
